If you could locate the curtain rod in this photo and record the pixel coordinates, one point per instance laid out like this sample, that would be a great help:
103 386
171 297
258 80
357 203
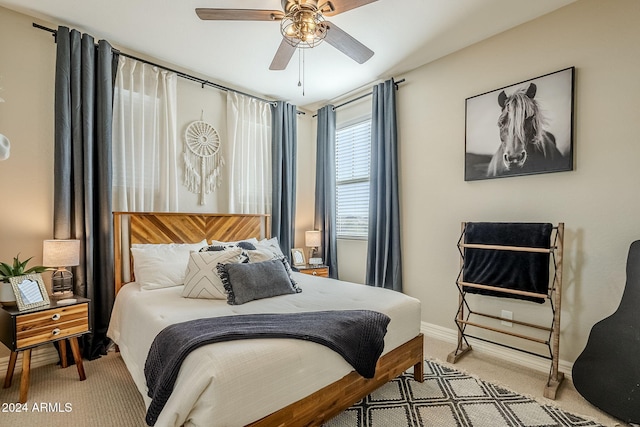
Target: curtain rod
203 82
360 97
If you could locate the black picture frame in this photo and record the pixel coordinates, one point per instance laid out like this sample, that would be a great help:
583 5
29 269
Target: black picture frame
545 103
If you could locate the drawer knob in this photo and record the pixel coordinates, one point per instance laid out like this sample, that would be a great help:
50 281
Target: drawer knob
315 273
56 331
55 316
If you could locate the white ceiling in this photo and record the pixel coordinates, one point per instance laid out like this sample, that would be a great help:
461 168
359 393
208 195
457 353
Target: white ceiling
404 34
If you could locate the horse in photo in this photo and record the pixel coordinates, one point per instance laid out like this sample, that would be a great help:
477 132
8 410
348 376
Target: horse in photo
525 145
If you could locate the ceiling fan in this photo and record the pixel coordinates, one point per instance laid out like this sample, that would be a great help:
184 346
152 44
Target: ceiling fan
302 25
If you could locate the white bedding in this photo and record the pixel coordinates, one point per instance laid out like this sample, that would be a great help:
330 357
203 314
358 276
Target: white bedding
235 383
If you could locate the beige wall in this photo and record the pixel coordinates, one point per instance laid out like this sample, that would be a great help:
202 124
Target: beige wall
26 118
598 201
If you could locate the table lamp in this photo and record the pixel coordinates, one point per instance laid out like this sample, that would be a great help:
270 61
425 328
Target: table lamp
313 240
61 253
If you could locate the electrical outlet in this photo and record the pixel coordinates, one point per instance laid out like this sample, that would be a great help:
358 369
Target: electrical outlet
506 315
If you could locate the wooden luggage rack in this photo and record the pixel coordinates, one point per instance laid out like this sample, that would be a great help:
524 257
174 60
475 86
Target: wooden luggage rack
552 342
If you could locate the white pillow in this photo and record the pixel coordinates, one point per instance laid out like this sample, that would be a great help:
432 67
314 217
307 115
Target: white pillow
162 265
202 279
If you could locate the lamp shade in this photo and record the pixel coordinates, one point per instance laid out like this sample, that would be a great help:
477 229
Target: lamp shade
61 253
312 239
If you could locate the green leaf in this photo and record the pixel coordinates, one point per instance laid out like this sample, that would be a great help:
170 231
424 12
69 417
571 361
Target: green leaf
5 269
38 269
23 265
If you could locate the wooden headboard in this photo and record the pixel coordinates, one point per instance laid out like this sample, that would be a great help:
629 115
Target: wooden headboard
165 227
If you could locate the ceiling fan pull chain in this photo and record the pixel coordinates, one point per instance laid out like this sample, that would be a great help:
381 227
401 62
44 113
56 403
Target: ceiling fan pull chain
299 67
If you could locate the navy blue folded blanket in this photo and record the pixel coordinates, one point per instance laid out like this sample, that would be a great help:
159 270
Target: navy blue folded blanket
523 271
357 335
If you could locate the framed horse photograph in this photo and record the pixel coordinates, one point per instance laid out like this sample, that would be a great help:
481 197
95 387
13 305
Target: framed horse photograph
522 129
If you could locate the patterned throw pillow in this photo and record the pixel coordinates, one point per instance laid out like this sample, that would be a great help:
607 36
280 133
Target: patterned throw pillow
221 246
251 240
213 248
271 244
265 253
260 255
202 279
250 252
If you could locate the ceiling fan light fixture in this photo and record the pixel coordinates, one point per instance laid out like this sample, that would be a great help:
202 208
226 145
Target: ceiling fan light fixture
303 25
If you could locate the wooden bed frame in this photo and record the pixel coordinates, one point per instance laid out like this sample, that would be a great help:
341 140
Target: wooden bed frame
319 407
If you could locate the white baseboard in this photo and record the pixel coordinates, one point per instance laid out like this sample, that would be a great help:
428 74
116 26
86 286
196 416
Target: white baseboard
40 356
514 356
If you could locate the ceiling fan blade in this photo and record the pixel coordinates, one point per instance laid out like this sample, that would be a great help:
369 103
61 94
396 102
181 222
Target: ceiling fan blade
346 44
209 14
283 56
334 7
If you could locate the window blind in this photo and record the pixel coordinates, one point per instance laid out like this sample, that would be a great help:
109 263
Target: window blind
353 158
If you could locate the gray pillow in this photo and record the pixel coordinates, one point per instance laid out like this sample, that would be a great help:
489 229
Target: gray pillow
248 282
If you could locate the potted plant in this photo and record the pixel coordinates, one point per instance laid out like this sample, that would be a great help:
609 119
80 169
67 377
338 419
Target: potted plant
17 268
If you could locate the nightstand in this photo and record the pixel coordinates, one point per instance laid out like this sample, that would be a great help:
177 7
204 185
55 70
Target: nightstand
24 330
315 270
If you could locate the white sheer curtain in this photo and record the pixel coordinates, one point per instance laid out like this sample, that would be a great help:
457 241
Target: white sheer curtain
145 144
249 135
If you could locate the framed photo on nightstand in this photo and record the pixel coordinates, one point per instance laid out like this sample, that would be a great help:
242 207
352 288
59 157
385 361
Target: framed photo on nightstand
297 257
30 291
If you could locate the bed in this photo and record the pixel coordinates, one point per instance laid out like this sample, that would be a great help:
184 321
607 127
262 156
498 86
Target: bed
258 382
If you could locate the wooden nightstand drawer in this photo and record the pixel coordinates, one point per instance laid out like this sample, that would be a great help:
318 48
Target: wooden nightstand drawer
316 271
48 325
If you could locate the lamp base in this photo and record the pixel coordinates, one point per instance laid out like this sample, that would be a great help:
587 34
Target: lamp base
61 284
58 295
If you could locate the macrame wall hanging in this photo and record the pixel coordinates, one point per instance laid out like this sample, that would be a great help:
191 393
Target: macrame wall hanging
202 159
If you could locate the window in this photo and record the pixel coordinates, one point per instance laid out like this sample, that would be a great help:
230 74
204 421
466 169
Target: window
145 141
353 158
129 149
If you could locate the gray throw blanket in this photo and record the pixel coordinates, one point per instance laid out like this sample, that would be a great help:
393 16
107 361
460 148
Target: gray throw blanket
357 335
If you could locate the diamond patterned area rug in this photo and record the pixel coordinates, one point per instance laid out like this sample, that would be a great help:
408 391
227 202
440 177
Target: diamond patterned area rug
448 397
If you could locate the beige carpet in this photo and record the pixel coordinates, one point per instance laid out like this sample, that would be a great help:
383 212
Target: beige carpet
108 397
